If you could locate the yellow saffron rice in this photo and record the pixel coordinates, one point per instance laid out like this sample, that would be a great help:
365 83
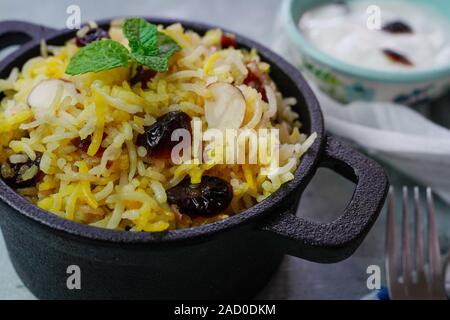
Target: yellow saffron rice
123 187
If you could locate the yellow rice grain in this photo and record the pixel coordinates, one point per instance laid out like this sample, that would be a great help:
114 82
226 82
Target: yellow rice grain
115 183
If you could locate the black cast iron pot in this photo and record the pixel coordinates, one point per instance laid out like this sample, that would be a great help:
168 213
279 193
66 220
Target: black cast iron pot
233 258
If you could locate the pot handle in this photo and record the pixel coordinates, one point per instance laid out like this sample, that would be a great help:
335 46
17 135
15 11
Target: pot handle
18 32
336 240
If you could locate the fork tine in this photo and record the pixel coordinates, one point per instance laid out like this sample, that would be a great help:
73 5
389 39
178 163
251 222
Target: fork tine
420 288
419 243
395 290
406 251
434 252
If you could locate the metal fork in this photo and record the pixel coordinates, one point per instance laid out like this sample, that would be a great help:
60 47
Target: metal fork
421 281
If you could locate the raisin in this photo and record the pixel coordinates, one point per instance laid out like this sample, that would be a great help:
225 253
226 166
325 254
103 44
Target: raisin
396 57
12 173
208 198
228 40
157 138
397 27
143 76
83 144
256 79
91 36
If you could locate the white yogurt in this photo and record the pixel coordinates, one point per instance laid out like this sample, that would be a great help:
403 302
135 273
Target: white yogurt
342 32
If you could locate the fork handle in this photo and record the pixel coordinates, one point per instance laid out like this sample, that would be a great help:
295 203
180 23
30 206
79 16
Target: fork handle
337 240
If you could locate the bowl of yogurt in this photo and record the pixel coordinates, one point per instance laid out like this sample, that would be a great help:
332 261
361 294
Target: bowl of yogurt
371 50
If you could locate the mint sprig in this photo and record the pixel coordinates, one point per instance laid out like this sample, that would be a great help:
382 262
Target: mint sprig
142 36
99 56
157 63
148 46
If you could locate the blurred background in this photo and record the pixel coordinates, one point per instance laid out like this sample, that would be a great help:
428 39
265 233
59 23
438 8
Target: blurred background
252 18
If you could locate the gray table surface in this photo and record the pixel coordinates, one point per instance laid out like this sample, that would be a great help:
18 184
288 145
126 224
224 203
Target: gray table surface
324 198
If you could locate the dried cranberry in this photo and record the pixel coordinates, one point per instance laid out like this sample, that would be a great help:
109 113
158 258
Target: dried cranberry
397 27
397 57
256 79
157 138
143 75
83 144
208 198
91 36
228 40
12 173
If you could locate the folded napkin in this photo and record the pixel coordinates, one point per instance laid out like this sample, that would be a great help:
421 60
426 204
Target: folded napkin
397 135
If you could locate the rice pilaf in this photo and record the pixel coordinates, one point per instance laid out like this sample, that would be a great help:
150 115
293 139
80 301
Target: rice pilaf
78 156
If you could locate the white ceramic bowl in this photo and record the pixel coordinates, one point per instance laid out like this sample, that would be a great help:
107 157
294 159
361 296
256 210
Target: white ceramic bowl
346 82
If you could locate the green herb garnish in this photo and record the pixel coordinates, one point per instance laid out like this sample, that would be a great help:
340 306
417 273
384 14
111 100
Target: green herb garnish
99 56
149 47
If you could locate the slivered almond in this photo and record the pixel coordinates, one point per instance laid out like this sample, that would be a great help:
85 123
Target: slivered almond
226 107
42 95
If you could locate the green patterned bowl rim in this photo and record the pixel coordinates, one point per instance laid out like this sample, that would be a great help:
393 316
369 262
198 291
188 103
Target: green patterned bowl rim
290 19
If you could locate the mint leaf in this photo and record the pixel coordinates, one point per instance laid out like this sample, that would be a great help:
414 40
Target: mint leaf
166 45
98 56
142 36
149 46
157 63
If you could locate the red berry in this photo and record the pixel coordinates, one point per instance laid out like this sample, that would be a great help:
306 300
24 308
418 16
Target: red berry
228 40
256 79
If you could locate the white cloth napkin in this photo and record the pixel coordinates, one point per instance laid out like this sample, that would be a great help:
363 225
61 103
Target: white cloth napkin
397 135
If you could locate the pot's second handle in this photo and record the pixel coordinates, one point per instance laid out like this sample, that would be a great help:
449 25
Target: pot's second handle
18 32
337 240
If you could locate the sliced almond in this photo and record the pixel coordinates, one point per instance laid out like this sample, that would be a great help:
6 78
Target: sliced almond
226 107
43 94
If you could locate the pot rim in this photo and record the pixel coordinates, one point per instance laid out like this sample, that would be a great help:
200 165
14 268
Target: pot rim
302 175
